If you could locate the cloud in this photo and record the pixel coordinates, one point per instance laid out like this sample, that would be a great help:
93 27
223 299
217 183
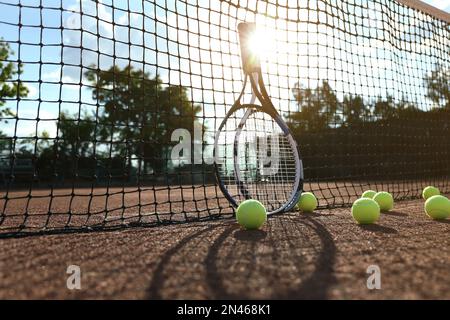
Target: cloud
58 75
27 128
103 36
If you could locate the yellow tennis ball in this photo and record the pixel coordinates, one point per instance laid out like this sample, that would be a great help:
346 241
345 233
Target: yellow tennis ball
369 194
430 191
437 207
365 211
251 214
384 200
307 202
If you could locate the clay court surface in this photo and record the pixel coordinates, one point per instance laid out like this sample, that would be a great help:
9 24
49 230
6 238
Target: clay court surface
322 255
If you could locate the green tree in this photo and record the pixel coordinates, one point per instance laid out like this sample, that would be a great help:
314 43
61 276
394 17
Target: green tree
9 87
317 108
77 135
438 84
43 142
140 113
354 110
5 142
385 108
71 152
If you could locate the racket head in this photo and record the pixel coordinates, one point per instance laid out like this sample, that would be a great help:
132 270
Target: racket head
262 161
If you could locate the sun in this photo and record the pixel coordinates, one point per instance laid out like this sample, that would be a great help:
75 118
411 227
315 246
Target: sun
262 42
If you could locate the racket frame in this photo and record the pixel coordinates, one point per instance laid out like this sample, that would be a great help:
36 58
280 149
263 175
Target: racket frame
252 71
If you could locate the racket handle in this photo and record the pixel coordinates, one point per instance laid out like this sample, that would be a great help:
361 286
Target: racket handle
249 56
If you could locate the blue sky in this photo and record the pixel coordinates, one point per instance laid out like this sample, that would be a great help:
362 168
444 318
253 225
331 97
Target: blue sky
208 65
443 5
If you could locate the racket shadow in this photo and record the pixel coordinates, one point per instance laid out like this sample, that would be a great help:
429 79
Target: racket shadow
279 264
291 258
156 289
250 235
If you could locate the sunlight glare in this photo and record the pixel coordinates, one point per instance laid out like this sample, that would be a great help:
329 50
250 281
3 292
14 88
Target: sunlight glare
262 43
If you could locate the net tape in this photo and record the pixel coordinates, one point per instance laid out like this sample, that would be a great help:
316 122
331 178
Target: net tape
108 110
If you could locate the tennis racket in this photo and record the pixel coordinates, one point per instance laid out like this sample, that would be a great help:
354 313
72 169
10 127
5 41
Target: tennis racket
255 154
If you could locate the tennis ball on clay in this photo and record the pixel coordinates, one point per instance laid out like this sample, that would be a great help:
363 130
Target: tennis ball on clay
307 202
437 207
430 191
369 194
384 200
365 211
251 214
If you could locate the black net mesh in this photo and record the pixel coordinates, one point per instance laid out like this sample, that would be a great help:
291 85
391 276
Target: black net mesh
97 97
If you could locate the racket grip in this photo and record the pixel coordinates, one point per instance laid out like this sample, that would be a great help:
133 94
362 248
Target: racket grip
250 58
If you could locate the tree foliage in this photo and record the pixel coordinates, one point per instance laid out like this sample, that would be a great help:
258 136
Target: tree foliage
10 87
349 136
140 113
317 107
438 84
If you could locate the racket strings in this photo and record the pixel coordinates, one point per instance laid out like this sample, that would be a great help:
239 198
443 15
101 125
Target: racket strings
267 165
224 155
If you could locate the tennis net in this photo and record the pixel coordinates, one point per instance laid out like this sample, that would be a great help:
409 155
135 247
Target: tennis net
108 110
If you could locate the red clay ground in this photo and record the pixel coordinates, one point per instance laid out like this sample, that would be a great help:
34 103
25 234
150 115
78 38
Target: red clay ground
323 255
